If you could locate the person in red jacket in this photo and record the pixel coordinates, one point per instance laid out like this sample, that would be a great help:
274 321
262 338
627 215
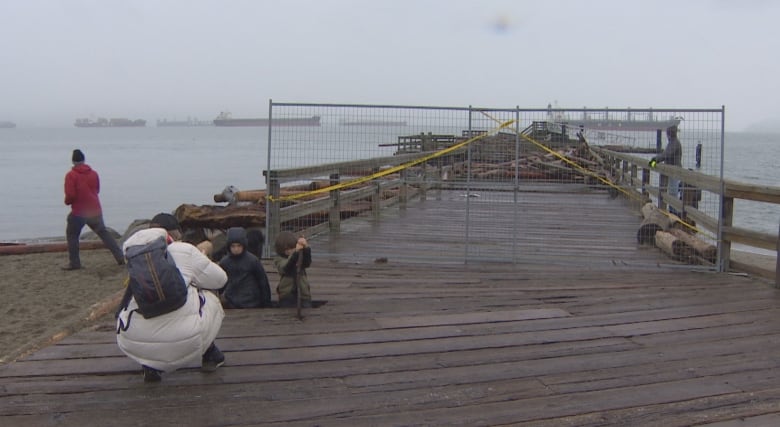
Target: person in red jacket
82 186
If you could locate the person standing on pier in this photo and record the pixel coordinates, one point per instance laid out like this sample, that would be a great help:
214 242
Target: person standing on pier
672 155
82 186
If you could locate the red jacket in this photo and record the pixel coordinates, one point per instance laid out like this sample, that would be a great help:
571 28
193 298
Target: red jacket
82 186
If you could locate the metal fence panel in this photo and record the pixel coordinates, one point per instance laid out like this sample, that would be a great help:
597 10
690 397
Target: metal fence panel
523 186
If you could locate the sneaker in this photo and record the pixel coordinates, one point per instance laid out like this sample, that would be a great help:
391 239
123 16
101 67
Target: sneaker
212 359
152 375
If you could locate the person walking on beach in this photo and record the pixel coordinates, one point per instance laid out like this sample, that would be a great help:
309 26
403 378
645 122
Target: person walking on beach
172 340
82 185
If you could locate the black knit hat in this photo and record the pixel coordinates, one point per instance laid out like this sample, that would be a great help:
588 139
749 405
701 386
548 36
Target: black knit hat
166 221
78 156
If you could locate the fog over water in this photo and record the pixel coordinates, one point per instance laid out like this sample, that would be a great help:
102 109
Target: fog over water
175 59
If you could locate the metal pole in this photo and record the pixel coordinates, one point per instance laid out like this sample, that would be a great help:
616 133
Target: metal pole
266 247
468 193
516 191
777 261
722 266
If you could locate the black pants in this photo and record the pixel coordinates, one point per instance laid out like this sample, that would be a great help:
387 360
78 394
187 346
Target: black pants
73 232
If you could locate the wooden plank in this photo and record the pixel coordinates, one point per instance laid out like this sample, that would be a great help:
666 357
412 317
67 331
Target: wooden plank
481 317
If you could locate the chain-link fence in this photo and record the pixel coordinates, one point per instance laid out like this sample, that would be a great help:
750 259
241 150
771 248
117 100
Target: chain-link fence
518 185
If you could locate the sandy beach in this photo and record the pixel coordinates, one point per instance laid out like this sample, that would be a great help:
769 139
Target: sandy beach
41 303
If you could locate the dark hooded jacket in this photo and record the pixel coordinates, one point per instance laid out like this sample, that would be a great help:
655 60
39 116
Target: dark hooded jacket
672 154
247 285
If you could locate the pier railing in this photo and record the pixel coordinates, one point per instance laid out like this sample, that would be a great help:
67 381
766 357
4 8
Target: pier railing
634 174
309 212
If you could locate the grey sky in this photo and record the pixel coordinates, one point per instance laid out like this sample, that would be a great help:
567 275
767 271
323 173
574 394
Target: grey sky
64 59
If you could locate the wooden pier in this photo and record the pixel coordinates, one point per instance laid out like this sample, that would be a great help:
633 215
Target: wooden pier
404 343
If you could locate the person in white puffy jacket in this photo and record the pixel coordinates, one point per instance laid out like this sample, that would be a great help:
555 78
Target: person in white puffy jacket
177 339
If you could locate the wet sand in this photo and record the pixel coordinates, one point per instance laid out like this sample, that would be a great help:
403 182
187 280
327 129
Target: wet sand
41 303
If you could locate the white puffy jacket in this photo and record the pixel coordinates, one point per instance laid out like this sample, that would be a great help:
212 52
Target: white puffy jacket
179 338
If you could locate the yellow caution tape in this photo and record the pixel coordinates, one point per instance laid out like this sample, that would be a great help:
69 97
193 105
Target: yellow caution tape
605 181
392 170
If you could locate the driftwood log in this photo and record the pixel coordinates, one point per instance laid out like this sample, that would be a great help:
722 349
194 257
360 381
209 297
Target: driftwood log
34 248
220 217
654 220
673 246
257 196
703 249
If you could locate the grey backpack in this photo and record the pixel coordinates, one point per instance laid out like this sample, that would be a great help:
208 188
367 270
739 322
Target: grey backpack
154 281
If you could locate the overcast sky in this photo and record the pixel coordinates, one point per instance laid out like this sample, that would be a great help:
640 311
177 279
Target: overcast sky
63 59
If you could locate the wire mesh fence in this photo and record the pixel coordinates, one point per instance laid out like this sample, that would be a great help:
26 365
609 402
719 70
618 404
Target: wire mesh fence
506 185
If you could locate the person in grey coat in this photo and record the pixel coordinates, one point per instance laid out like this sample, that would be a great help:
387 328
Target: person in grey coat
672 155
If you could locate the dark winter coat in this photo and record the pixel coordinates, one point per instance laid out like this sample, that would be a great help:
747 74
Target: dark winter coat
288 270
672 154
247 285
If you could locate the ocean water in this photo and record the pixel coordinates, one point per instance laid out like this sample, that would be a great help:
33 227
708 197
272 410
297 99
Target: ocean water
148 170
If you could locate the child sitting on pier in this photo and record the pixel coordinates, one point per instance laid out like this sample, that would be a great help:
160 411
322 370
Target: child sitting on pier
247 284
289 251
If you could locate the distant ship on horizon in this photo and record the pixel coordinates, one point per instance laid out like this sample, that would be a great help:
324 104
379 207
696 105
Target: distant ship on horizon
225 119
601 121
183 123
372 123
7 125
102 122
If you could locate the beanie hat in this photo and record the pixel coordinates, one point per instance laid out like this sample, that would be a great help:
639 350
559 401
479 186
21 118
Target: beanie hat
166 221
78 156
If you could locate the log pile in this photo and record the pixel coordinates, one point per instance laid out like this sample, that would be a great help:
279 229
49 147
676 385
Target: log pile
665 231
248 208
654 220
221 217
493 158
674 247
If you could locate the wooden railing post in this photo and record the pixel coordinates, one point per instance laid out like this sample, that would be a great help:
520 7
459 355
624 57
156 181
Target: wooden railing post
663 187
424 181
439 177
624 170
727 216
376 198
645 181
403 192
334 213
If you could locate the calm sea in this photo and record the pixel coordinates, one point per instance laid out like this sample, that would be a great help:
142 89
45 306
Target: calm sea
148 170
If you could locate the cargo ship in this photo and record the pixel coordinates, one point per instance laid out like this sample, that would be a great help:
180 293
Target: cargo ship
623 125
224 119
109 123
182 123
373 123
7 125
